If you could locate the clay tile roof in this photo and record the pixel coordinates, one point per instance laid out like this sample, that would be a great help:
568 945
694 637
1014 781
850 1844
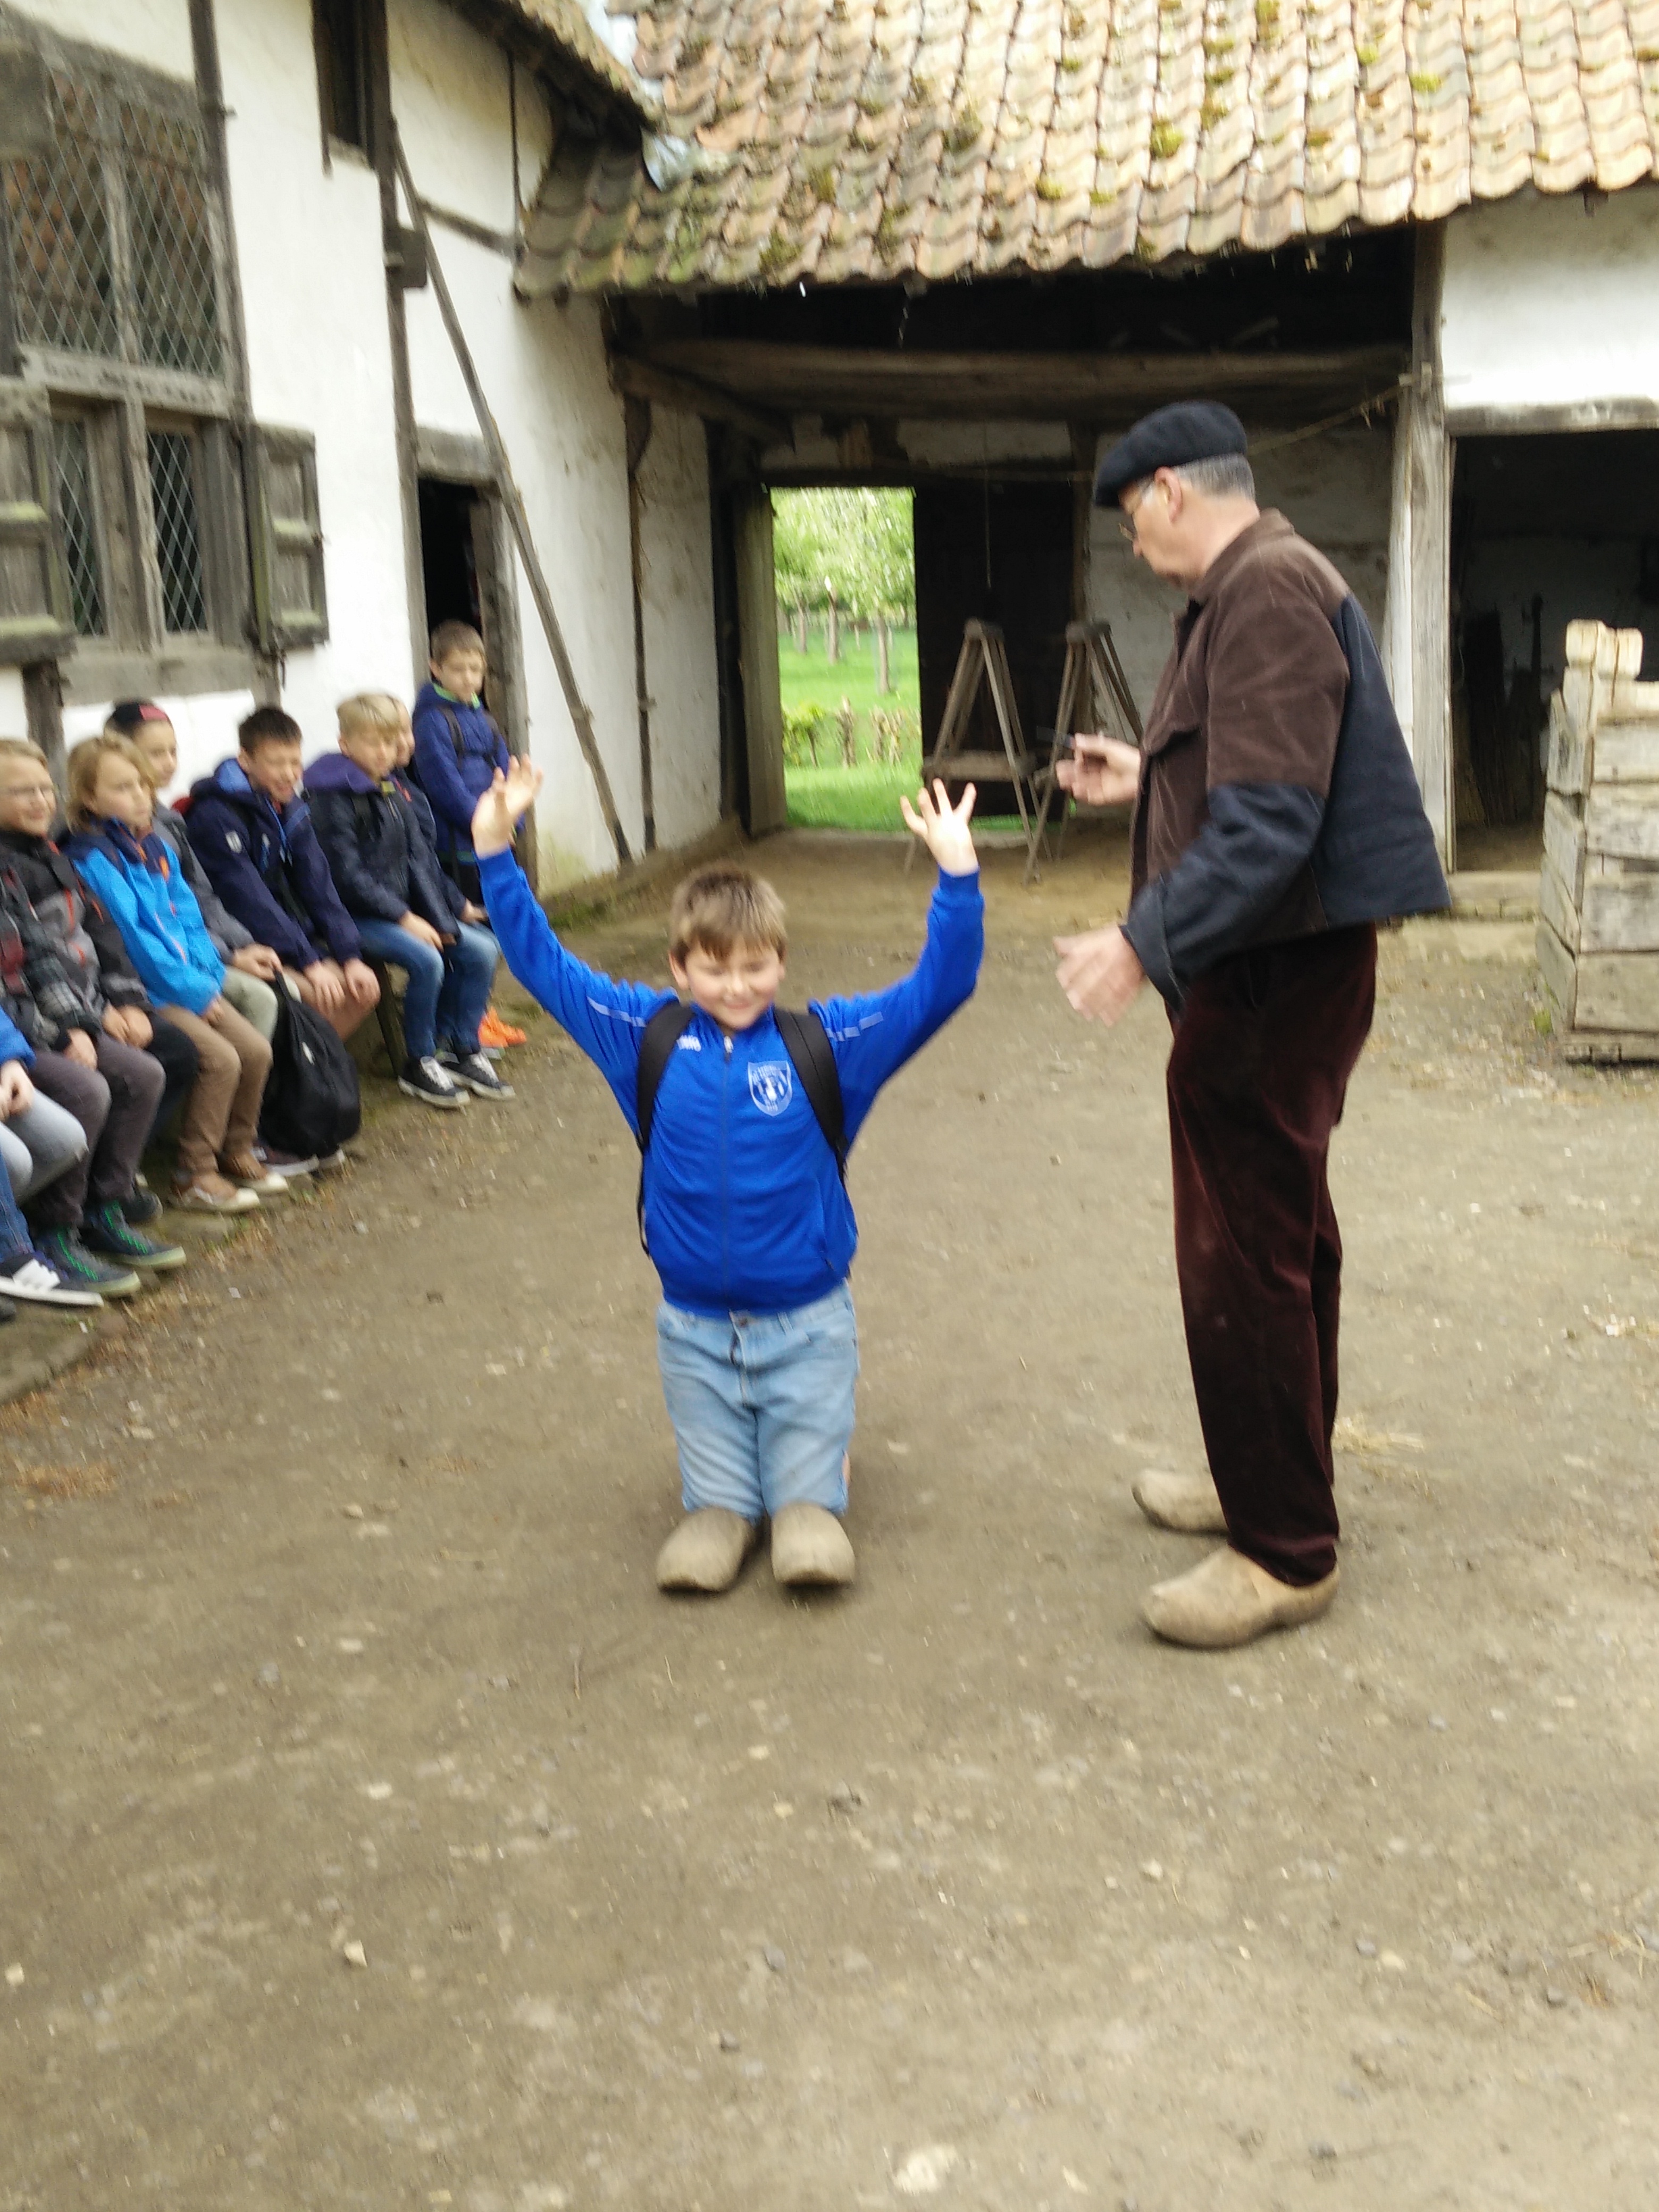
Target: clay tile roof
832 140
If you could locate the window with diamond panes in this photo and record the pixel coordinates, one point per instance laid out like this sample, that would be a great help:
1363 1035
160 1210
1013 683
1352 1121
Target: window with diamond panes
111 234
178 531
72 451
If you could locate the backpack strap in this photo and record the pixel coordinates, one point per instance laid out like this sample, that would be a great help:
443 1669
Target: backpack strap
807 1043
454 722
662 1033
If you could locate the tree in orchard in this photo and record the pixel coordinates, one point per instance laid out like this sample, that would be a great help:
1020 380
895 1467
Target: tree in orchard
845 551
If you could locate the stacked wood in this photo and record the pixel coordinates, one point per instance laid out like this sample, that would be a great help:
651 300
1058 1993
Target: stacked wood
1598 928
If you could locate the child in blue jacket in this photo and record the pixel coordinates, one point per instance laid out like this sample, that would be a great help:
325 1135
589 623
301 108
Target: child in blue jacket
744 1210
458 746
136 876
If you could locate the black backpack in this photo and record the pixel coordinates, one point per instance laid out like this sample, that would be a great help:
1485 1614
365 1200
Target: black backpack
804 1039
312 1102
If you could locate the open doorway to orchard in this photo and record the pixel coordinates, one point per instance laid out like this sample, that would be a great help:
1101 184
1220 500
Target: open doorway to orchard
845 563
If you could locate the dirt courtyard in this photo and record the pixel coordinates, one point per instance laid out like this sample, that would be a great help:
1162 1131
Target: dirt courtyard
372 1833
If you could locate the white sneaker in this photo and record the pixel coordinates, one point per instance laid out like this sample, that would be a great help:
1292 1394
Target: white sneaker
31 1279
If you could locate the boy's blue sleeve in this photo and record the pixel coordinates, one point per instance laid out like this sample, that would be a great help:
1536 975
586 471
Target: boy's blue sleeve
873 1036
606 1019
14 1045
440 773
169 979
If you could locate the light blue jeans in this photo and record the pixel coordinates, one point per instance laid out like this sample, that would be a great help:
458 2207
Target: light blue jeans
762 1404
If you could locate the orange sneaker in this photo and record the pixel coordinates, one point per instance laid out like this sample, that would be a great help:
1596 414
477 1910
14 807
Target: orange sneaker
492 1030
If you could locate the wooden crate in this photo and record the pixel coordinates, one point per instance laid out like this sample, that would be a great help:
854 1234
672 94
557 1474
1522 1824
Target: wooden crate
1598 895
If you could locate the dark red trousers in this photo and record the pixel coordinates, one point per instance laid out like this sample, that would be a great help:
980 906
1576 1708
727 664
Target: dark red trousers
1263 1050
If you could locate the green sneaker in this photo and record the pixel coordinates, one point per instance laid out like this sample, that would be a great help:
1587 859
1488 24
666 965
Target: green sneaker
69 1259
107 1233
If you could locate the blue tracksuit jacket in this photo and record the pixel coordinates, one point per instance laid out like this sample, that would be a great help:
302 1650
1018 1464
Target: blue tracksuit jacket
454 779
745 1210
143 889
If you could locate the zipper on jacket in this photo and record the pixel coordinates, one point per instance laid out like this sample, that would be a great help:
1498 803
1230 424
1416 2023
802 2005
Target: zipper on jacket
725 1193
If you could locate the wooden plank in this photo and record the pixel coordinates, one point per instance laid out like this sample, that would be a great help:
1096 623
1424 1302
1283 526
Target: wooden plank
1623 823
1429 480
1619 913
1569 751
1556 965
757 649
1610 1048
1626 752
1617 991
977 767
1094 387
1564 843
1556 906
690 395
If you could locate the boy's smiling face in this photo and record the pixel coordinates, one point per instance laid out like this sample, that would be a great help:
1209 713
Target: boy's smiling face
733 988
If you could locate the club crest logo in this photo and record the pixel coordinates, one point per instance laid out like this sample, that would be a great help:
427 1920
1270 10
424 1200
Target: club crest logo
771 1084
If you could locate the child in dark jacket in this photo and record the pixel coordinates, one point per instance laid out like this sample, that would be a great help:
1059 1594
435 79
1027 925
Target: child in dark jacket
253 833
744 1212
406 911
133 875
458 746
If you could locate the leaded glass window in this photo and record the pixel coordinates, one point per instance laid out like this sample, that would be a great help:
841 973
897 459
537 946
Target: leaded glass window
178 531
77 506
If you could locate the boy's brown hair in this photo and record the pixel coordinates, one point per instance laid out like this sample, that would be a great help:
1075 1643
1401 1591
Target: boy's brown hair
267 725
83 762
454 637
722 907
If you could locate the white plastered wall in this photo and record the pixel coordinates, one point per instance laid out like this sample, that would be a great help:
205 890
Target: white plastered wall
1333 488
543 373
1552 302
154 32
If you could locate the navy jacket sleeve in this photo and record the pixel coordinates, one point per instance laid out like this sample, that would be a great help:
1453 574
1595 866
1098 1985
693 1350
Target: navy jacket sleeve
334 819
316 886
606 1019
218 837
440 774
873 1036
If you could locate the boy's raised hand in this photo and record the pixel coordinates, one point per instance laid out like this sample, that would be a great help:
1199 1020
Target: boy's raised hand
943 828
498 813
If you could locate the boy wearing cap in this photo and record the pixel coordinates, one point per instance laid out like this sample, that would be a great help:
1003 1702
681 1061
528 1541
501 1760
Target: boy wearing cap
1277 820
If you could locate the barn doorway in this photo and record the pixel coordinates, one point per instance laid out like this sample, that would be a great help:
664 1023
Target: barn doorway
1545 529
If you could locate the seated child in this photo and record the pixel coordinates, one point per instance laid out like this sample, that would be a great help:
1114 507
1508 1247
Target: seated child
250 969
406 911
133 875
253 833
743 1209
101 1051
494 1036
458 746
57 1140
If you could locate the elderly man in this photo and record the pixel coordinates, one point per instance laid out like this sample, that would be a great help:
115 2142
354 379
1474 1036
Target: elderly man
1277 821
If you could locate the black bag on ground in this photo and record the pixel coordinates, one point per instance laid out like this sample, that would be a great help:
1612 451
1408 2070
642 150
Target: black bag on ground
312 1103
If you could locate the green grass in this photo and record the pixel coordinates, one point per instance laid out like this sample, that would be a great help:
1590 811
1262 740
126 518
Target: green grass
829 796
862 798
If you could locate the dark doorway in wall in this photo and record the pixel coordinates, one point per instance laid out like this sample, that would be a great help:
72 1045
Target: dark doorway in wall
999 552
1546 529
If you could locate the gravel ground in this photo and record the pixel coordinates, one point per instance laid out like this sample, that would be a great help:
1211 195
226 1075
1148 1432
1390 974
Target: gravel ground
372 1833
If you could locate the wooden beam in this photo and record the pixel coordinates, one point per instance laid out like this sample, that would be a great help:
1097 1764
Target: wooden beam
1521 420
513 500
1429 468
690 395
1110 389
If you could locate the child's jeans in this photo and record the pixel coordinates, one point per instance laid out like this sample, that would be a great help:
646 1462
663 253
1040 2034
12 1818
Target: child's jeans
762 1404
448 991
39 1144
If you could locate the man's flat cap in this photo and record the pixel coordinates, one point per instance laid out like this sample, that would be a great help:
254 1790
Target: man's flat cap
1169 438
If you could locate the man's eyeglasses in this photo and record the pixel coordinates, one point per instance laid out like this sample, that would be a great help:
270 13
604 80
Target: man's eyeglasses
1126 525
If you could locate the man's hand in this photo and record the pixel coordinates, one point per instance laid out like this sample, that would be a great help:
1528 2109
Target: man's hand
1100 973
1104 773
420 930
503 806
78 1047
470 912
128 1025
325 985
16 1091
362 982
258 960
943 828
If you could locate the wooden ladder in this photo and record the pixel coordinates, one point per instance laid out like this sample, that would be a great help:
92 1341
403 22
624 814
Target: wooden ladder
1093 686
984 658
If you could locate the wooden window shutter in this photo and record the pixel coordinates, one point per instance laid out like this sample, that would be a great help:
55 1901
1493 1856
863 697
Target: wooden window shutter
290 602
35 619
